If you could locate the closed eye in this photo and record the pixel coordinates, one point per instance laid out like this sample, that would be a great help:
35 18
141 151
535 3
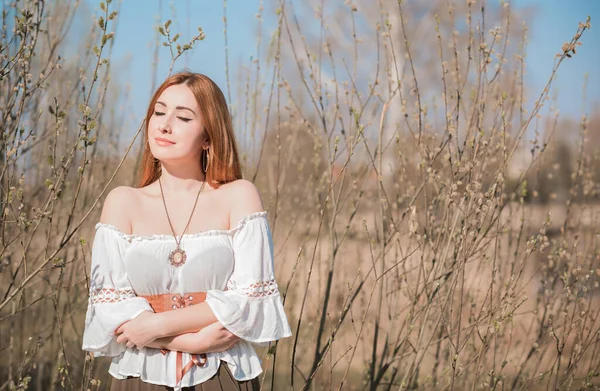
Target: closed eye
157 113
185 119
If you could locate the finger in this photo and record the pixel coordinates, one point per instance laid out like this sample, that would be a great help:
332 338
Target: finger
121 339
233 341
119 329
130 344
228 346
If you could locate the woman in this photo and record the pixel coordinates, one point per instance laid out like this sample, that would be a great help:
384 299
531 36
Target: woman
182 276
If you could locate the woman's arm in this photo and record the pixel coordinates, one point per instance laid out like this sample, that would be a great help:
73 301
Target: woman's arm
169 323
212 338
150 326
112 298
185 320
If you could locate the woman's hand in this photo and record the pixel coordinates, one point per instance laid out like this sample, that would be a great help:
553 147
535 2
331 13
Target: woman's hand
140 331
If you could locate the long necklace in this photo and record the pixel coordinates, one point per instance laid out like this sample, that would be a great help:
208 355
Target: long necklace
178 256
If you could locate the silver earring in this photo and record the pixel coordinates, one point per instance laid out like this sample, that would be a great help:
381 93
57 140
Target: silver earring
205 160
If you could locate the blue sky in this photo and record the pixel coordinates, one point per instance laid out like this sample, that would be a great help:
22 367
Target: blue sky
553 22
134 51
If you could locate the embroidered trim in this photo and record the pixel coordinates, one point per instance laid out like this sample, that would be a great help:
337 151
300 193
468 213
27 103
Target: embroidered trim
212 232
111 295
256 289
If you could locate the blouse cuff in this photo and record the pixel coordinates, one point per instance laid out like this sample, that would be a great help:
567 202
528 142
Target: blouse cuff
254 319
103 319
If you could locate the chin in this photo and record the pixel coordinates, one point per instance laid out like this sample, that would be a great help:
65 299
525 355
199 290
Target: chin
164 158
169 158
164 155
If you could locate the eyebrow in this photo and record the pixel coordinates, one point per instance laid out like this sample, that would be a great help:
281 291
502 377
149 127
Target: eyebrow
178 107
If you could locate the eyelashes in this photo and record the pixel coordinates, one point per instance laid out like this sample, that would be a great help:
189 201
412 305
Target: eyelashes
159 114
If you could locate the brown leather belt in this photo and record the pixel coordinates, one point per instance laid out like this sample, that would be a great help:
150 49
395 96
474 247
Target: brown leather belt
170 302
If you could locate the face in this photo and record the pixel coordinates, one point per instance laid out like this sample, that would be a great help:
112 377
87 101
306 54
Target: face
175 129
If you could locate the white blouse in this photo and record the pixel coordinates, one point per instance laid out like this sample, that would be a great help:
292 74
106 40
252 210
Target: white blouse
234 267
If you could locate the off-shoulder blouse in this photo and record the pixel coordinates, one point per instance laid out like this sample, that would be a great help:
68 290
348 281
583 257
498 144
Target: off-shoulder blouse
234 267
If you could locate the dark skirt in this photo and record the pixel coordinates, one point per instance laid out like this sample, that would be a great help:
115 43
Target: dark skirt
222 381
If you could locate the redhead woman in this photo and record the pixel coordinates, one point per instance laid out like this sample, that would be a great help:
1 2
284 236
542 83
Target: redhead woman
182 278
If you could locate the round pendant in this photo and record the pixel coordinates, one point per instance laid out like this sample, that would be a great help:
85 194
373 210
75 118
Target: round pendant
177 257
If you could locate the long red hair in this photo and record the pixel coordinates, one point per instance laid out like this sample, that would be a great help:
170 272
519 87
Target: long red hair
223 161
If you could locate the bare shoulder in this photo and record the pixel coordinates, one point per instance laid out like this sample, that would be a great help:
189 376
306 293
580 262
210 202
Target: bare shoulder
243 198
119 206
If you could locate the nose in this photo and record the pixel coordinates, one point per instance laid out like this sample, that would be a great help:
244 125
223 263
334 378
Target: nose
164 127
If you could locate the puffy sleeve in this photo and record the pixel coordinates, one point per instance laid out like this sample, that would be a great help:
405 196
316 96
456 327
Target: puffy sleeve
251 307
112 299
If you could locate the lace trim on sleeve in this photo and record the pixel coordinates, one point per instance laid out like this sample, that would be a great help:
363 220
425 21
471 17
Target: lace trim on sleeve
111 295
256 289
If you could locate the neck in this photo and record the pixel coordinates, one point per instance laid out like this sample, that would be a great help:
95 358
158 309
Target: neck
181 178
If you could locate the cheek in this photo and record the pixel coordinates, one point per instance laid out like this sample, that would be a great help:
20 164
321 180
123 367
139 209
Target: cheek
191 145
194 136
152 124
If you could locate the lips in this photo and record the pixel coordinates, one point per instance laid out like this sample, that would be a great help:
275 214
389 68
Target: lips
163 141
